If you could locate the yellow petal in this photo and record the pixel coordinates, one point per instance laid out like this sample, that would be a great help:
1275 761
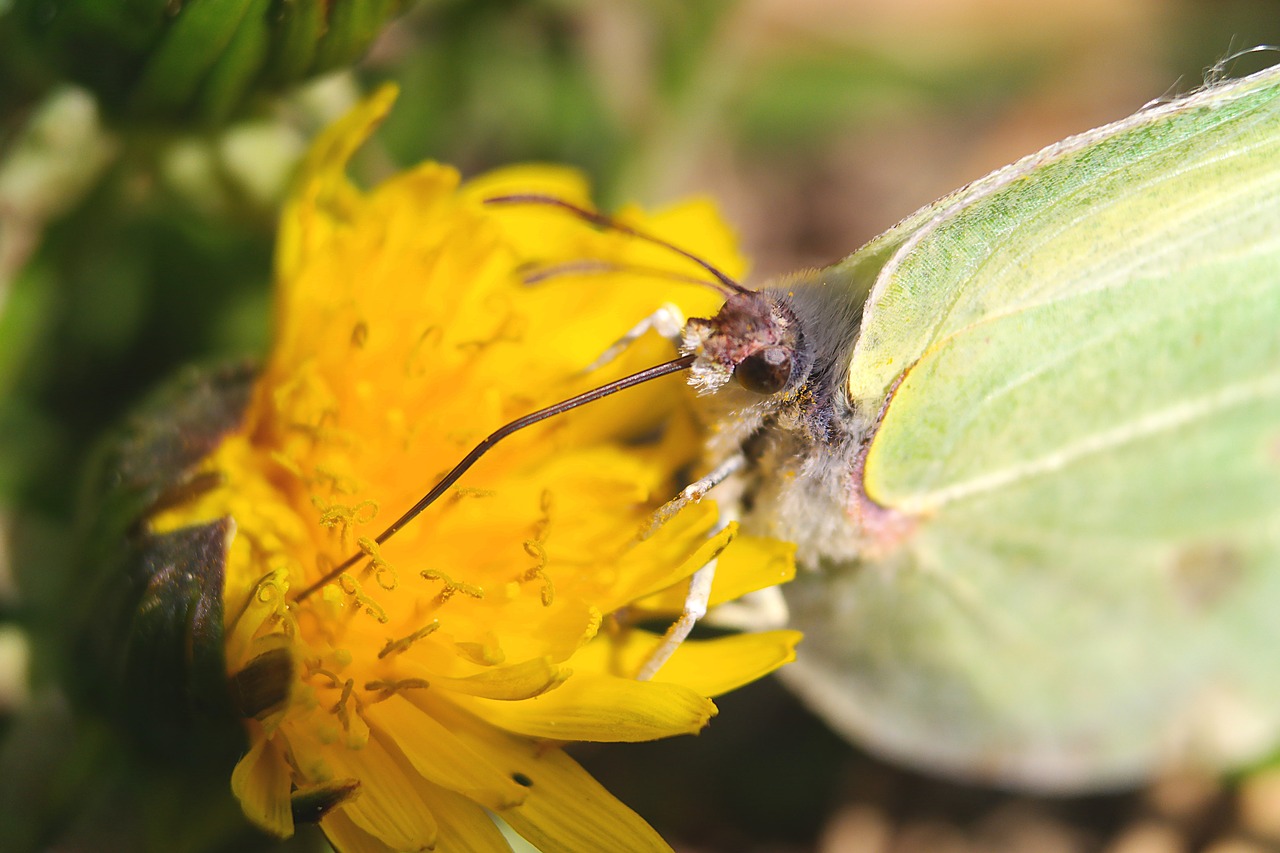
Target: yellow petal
596 707
693 225
440 757
328 156
261 782
569 812
707 667
386 805
518 681
346 837
322 179
748 564
713 667
533 229
566 811
559 182
668 556
464 826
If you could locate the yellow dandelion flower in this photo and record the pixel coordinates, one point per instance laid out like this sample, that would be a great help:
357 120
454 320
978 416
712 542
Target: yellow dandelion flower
440 675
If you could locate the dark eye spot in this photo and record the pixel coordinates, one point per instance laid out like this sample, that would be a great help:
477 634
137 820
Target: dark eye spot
521 779
765 371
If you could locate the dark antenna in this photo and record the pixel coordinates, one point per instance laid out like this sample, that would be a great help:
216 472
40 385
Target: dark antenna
539 274
725 285
682 363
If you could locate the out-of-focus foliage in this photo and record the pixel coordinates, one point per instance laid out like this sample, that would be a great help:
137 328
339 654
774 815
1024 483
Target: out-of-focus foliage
164 60
130 248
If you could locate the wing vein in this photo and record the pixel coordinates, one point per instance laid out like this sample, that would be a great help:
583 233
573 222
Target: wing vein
1162 420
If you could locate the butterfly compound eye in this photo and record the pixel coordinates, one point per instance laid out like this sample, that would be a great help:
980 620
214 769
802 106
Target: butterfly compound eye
765 371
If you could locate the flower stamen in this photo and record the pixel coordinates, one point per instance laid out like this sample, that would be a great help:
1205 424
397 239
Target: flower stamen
545 502
315 667
337 483
264 591
351 587
429 339
509 332
384 574
287 462
344 517
340 709
387 688
402 644
470 492
451 587
320 432
534 548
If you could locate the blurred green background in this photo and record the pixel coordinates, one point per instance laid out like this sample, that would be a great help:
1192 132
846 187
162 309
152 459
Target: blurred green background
136 237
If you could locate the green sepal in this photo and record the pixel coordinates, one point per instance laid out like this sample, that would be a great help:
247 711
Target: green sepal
196 60
299 28
174 667
311 803
352 26
262 687
145 634
192 45
239 65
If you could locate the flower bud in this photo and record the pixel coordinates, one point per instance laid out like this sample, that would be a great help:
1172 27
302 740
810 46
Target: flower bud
198 59
147 647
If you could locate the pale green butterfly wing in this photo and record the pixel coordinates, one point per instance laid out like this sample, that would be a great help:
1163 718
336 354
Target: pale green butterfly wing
1086 444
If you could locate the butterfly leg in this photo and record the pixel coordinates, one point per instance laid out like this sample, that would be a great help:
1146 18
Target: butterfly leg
695 607
693 493
667 321
761 610
695 602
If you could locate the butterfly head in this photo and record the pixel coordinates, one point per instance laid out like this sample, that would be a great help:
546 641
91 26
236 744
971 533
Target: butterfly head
754 341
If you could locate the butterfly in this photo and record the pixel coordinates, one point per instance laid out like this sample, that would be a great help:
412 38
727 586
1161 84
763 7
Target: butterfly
1027 443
